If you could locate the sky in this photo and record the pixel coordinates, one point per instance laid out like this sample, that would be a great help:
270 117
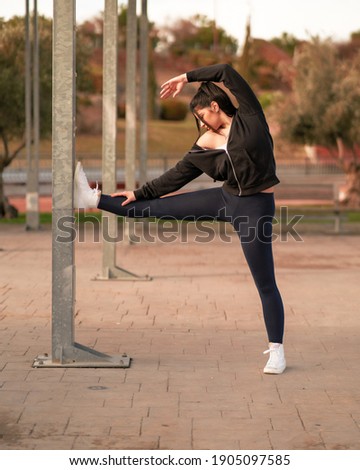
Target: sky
335 19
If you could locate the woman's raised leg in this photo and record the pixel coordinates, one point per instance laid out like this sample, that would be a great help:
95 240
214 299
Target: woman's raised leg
198 205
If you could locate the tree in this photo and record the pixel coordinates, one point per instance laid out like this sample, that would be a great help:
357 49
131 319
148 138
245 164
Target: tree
12 88
287 42
198 36
315 73
153 41
324 108
261 61
355 36
342 119
91 33
245 62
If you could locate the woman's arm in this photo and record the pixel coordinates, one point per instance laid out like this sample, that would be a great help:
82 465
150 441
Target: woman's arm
172 180
238 86
232 80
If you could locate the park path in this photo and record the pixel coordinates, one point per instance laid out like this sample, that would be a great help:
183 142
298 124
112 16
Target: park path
196 335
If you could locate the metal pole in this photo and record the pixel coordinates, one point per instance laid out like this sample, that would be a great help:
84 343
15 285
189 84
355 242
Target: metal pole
130 136
65 352
36 103
144 60
110 63
32 133
109 221
63 159
130 110
28 124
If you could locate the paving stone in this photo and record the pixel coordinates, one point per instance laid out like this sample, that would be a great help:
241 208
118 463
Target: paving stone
12 397
118 443
130 427
44 430
174 443
215 444
346 440
54 443
228 428
323 420
95 429
158 400
44 412
55 397
297 440
26 443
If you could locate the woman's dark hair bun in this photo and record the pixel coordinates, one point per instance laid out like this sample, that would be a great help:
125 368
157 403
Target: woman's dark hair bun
209 92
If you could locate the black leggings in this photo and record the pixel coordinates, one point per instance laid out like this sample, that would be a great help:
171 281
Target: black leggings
251 217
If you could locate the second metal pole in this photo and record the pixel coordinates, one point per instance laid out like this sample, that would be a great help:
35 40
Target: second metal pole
32 120
130 137
110 221
110 64
144 62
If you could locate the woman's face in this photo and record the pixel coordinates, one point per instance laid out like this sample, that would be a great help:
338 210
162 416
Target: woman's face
209 117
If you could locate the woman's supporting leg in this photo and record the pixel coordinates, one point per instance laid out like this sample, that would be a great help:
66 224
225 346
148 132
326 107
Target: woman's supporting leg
253 224
260 260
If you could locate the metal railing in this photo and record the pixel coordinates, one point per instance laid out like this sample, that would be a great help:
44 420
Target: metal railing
157 163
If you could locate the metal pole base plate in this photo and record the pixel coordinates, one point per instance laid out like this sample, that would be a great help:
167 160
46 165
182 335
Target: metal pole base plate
114 273
116 362
78 355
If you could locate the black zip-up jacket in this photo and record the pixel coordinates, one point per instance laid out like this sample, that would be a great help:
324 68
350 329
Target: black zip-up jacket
247 166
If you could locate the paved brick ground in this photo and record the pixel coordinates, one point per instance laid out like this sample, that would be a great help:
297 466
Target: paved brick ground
196 336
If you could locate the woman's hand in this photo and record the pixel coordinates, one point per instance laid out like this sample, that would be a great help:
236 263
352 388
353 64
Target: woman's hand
173 86
130 196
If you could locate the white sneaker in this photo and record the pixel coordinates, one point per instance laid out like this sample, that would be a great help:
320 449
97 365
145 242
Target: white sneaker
84 196
276 363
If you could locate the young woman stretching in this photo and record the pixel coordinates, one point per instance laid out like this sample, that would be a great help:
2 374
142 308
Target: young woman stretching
236 148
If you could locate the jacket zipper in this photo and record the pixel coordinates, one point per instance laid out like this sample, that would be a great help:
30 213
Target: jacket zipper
233 169
232 166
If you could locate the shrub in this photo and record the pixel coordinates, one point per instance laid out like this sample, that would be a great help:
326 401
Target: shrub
173 110
266 99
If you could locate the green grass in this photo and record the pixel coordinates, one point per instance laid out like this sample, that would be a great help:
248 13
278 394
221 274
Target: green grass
354 216
163 137
313 215
320 214
46 218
